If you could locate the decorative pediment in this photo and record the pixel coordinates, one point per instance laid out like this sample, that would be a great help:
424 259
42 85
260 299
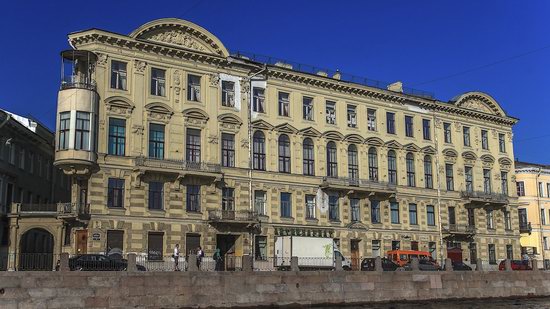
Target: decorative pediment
354 138
310 131
449 152
286 128
262 125
411 147
180 33
230 122
487 158
374 141
159 111
469 157
333 135
505 162
479 102
118 105
195 117
429 150
393 145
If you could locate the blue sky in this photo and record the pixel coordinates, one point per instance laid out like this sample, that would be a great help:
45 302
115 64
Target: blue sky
421 43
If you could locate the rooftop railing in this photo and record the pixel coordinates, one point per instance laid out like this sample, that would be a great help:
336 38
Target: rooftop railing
305 68
179 165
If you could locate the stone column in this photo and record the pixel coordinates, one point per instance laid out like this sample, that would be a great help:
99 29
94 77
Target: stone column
192 263
378 264
294 263
338 263
479 265
64 262
535 264
247 263
448 265
508 265
131 262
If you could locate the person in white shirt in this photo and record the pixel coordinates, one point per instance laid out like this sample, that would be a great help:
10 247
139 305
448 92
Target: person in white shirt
176 257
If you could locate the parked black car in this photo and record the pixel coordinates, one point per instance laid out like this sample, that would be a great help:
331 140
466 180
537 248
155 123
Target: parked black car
461 266
99 262
387 265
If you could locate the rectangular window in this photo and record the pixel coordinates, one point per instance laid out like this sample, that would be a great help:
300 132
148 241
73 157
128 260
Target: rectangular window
286 205
484 139
520 186
413 216
469 178
228 199
330 110
545 242
193 201
355 210
82 136
310 206
117 136
22 159
542 217
193 146
64 127
547 189
115 240
466 135
394 207
540 189
507 221
375 211
449 178
156 141
509 252
473 253
155 243
158 82
447 132
376 248
504 182
371 119
492 254
490 219
228 93
260 252
31 160
426 129
307 108
193 88
487 181
333 208
390 122
156 190
118 75
258 100
430 215
409 128
432 249
228 150
452 216
501 143
395 245
284 104
471 217
260 202
115 193
352 116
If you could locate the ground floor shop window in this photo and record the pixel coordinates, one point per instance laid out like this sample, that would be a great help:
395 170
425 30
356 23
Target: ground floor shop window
155 246
260 251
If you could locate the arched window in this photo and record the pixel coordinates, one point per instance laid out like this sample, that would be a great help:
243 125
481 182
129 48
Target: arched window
353 162
392 167
332 163
410 170
309 158
284 154
259 151
373 164
428 174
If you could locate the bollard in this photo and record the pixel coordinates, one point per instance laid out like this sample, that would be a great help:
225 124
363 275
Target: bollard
131 262
479 265
414 264
192 263
535 265
294 263
448 265
378 264
508 265
64 262
247 263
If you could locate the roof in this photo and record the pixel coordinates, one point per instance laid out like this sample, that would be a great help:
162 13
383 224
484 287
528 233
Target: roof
26 122
520 164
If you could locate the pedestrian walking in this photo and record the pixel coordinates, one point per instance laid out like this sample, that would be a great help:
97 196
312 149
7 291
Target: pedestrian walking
176 257
200 255
525 258
218 260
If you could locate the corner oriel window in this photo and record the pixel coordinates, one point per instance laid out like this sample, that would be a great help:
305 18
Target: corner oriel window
228 93
284 104
82 136
64 127
118 75
258 100
307 106
158 82
330 110
193 88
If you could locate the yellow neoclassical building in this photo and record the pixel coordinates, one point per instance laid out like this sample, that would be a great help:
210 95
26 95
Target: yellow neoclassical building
533 189
171 139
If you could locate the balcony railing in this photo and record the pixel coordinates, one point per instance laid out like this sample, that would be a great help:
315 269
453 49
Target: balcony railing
62 209
525 227
232 215
375 186
484 197
72 82
179 165
460 229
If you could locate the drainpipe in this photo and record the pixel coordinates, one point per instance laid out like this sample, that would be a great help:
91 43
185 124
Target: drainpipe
440 227
541 236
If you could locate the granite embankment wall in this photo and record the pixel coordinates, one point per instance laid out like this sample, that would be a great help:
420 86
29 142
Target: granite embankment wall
247 289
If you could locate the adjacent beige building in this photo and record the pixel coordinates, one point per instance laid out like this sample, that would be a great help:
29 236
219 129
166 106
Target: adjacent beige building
171 139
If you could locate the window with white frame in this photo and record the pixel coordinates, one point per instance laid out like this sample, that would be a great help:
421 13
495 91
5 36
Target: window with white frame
193 88
82 133
158 82
260 202
284 104
310 206
64 128
371 119
228 93
118 75
352 116
307 107
330 110
258 100
501 143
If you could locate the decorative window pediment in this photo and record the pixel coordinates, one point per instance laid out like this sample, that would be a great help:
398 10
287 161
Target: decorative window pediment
333 135
411 147
505 163
487 160
429 150
450 153
354 138
118 105
286 128
230 122
262 125
374 141
159 111
310 131
195 117
393 145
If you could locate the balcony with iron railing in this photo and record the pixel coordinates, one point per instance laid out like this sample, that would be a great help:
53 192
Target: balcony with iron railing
459 229
525 227
232 216
77 82
357 184
60 210
179 165
485 198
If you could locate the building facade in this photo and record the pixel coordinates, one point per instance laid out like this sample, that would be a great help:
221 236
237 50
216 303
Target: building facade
171 139
533 190
27 177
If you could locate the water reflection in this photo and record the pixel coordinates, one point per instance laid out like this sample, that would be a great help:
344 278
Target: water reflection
523 303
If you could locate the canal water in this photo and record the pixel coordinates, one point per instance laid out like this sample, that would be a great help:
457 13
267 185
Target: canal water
519 303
